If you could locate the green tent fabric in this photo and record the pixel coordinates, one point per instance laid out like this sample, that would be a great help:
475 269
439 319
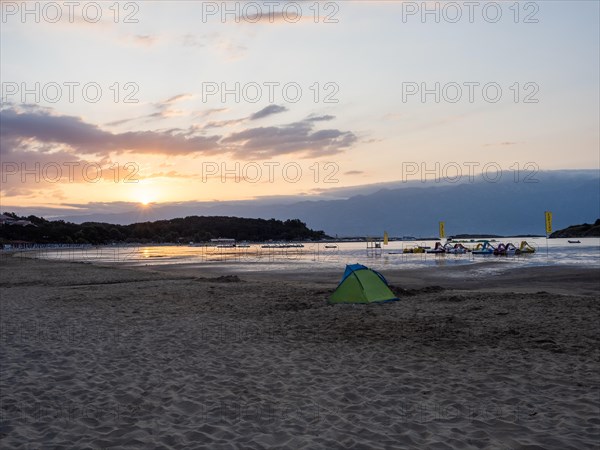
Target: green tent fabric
362 285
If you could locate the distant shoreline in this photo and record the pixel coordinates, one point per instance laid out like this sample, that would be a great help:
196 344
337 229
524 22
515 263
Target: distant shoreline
252 242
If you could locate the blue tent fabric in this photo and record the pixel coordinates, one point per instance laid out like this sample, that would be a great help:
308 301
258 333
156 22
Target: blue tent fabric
354 267
351 268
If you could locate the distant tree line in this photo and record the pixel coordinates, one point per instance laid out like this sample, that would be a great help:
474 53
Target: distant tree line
182 230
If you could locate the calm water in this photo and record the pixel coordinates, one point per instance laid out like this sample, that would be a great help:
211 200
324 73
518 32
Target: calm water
557 252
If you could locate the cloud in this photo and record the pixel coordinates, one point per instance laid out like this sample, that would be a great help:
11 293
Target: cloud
163 110
116 123
313 118
209 112
144 40
354 172
27 128
298 137
267 111
38 131
175 99
27 173
223 123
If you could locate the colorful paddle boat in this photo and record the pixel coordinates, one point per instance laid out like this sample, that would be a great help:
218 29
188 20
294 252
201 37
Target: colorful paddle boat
506 250
457 249
525 248
484 249
438 249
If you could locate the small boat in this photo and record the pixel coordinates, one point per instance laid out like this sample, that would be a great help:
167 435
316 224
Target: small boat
484 249
438 249
457 249
281 245
574 242
417 249
331 246
223 243
506 250
525 248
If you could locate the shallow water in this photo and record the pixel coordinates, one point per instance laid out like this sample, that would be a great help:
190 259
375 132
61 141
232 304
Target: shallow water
254 257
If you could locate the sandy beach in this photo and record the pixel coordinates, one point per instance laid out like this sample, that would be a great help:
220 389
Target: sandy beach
187 357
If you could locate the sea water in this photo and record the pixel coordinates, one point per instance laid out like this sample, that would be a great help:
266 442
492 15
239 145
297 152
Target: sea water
321 255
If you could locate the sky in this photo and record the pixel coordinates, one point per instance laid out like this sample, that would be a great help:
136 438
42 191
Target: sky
164 102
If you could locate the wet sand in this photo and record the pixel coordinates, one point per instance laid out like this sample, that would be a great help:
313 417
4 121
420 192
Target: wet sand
191 357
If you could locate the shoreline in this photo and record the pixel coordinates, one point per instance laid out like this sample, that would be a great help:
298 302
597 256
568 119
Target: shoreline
451 271
482 276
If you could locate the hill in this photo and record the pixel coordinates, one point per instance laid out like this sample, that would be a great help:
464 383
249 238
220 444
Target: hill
194 228
577 231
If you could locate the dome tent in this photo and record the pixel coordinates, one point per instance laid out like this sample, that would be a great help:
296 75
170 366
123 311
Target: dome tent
362 285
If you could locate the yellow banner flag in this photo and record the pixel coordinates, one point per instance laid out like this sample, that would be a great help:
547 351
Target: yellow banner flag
385 238
548 215
442 230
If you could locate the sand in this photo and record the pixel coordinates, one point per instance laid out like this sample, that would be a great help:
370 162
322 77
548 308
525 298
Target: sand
189 357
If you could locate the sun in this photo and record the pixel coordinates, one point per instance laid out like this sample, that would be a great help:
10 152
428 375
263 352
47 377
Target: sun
145 198
144 195
145 201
